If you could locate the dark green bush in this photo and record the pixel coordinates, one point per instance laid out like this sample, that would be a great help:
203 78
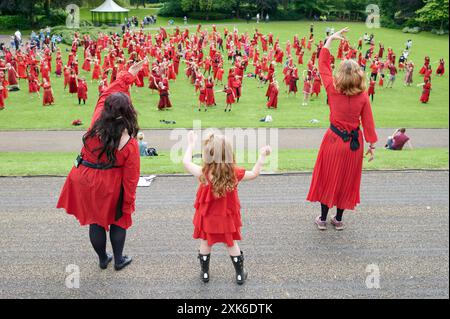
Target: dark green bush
171 9
210 16
14 22
286 15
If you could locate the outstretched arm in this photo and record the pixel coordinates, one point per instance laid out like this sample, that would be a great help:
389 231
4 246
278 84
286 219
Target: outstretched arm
189 166
325 60
256 171
121 84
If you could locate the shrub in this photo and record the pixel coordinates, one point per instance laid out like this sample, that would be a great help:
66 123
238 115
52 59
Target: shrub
171 9
286 15
211 16
439 31
14 22
414 30
57 17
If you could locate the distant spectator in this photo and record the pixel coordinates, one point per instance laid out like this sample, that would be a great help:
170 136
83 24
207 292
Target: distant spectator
397 141
247 17
142 145
258 17
185 19
267 18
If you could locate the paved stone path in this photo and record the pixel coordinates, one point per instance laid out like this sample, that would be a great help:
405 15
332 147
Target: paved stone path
402 227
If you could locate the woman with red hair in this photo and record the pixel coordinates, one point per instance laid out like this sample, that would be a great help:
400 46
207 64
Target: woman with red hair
337 174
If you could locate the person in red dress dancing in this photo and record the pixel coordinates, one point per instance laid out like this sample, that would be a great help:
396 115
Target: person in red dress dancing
164 101
100 190
273 97
217 216
73 87
82 91
425 97
337 173
48 98
441 68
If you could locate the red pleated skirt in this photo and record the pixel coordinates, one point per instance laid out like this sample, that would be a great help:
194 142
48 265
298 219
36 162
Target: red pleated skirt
336 179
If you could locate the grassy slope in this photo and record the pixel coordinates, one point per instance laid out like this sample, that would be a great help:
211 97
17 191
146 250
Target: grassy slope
393 107
29 164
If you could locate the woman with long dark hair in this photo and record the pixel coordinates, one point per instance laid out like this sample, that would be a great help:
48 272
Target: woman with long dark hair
100 190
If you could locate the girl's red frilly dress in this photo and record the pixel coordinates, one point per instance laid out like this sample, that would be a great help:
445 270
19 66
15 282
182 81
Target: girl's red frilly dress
92 195
218 220
337 174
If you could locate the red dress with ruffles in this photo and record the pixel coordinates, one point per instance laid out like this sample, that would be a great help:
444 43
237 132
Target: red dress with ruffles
337 174
92 195
218 220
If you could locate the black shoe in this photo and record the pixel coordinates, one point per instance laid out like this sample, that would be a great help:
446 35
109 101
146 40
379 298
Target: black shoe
123 263
103 265
241 273
204 265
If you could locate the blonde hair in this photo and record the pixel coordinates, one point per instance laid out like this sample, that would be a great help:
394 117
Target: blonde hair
218 165
350 78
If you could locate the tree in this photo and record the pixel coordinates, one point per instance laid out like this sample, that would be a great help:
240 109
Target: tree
434 12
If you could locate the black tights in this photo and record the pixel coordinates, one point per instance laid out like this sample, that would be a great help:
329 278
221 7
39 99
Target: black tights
117 235
325 210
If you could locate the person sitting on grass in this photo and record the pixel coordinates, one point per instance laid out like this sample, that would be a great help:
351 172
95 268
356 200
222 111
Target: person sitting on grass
397 141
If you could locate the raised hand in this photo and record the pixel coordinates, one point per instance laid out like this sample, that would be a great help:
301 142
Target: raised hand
265 151
135 68
340 35
192 138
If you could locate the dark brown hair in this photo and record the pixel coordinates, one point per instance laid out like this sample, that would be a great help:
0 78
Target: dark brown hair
118 114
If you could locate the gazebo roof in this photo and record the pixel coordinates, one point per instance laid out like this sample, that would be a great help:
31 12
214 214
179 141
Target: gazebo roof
109 6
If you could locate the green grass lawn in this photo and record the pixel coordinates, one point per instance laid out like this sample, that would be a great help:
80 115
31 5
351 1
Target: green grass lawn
32 164
395 107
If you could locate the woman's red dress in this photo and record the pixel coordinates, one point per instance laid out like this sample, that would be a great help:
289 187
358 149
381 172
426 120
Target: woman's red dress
273 98
218 220
230 96
202 96
164 101
82 90
337 174
12 77
425 97
92 195
48 95
210 98
73 88
96 72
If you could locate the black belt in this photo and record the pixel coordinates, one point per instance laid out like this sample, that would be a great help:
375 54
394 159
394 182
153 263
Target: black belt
98 166
353 136
79 161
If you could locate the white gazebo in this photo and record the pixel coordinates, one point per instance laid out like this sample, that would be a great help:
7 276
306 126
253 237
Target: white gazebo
109 13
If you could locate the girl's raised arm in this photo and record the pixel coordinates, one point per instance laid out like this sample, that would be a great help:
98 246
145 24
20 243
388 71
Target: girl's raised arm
256 171
189 166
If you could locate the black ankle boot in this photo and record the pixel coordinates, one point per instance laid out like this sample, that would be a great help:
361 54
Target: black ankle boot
125 261
204 265
241 273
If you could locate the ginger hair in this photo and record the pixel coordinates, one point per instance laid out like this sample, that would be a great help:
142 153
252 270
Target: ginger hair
350 79
218 165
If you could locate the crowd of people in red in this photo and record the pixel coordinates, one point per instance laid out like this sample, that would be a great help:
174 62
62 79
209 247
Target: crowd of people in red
203 52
